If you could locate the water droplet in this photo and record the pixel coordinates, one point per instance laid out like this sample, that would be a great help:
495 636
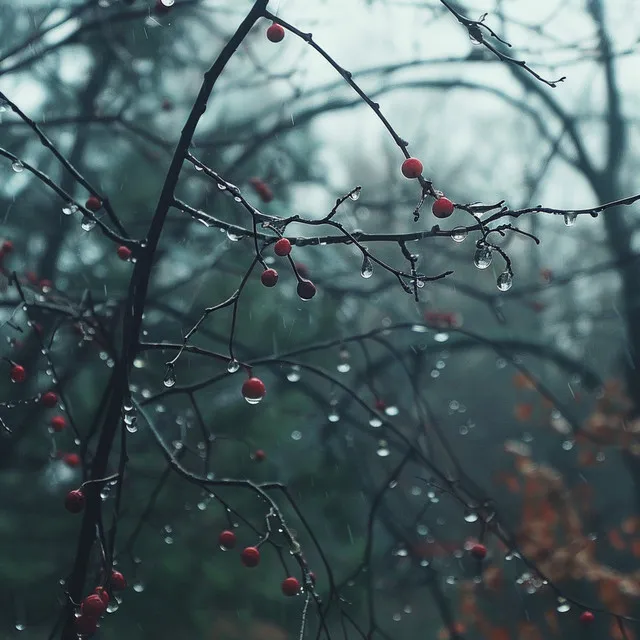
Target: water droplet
441 336
383 449
69 209
366 271
563 606
333 417
504 281
392 410
20 626
458 234
233 236
296 435
169 377
294 374
375 422
88 223
17 166
355 194
470 516
344 367
221 186
483 256
419 328
570 218
233 366
138 587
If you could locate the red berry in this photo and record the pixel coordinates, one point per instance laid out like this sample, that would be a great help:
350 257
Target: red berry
103 594
164 6
479 551
18 373
587 617
269 277
49 399
7 246
253 389
411 168
72 459
93 203
381 405
275 33
118 583
74 502
262 189
124 253
227 539
93 606
290 586
306 289
259 455
250 557
282 247
58 423
442 208
86 625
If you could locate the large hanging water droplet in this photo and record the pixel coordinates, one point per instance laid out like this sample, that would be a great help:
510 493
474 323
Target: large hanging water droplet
366 271
483 257
294 374
392 410
88 223
344 367
169 377
375 422
233 366
383 449
471 516
570 218
333 416
17 166
355 194
458 234
69 209
505 281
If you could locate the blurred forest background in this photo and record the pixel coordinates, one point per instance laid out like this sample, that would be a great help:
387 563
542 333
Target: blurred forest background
404 431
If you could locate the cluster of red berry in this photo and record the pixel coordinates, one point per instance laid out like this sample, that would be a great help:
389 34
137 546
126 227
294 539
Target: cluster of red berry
250 557
93 606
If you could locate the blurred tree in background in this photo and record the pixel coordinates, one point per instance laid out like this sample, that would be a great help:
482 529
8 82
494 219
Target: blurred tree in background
449 442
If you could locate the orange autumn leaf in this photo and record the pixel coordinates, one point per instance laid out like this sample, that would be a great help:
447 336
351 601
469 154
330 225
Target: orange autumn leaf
586 458
522 381
616 540
631 525
523 411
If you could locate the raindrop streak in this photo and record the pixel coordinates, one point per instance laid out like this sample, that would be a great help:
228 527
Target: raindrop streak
570 218
483 257
169 377
367 268
459 234
505 281
355 194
